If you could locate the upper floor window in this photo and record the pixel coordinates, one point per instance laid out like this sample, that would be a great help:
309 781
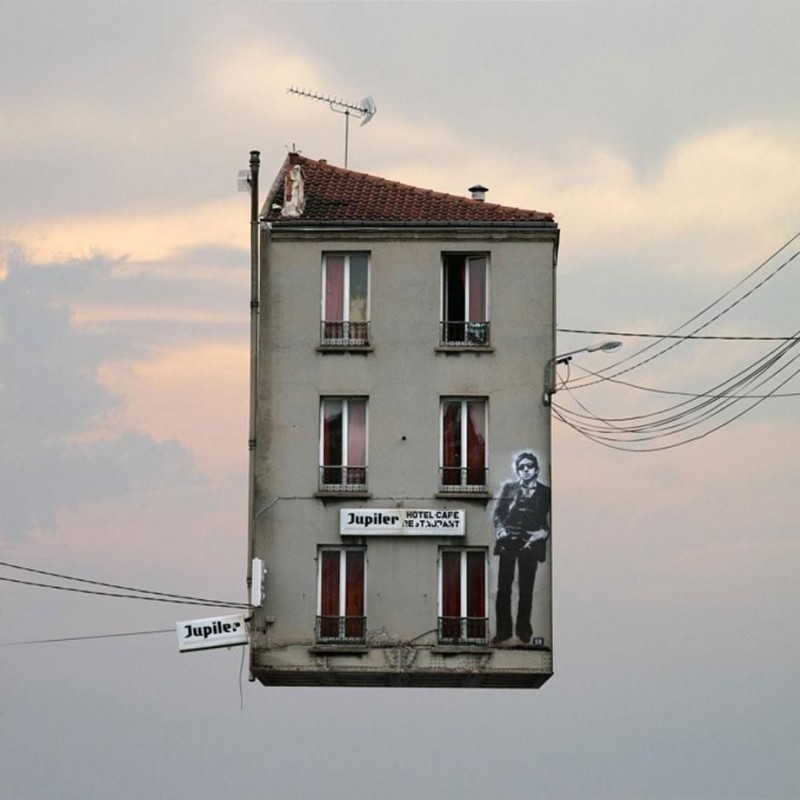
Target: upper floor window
340 596
343 444
345 300
465 301
462 458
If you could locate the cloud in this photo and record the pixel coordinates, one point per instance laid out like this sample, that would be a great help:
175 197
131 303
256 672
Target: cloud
196 392
153 235
53 451
719 201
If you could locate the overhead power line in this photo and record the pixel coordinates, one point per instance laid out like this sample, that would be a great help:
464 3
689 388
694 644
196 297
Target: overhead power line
675 392
632 432
86 638
674 338
206 603
681 336
697 414
599 440
137 594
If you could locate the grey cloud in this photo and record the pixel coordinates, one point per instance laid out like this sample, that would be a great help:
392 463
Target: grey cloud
200 283
50 396
49 384
208 285
40 476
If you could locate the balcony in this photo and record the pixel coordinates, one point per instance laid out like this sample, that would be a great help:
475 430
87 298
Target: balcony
463 630
464 334
463 480
341 630
342 480
344 334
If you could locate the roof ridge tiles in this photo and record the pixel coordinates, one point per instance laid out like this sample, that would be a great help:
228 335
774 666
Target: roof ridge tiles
334 193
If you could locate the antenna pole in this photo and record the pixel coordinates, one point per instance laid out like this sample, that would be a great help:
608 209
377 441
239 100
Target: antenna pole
346 134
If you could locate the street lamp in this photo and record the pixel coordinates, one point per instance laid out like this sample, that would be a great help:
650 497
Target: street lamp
550 368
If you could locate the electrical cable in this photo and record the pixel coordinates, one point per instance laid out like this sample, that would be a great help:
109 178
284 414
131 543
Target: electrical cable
663 430
628 433
86 638
607 437
673 392
676 336
598 440
680 340
716 393
708 407
207 604
746 389
197 600
684 337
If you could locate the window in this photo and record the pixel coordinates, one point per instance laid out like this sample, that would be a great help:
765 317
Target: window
340 595
343 444
465 301
463 445
462 596
345 300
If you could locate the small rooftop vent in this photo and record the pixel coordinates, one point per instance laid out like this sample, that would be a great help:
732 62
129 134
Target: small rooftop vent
478 192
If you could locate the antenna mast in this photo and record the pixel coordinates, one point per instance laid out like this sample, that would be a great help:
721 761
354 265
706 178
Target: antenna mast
365 110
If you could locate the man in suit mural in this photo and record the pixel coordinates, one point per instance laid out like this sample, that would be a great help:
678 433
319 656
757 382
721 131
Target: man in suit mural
522 527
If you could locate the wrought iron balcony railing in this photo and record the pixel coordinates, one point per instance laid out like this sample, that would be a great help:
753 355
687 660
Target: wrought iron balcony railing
344 334
463 630
342 479
462 479
350 630
464 334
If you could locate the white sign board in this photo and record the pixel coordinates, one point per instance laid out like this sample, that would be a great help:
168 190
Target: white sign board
205 634
402 521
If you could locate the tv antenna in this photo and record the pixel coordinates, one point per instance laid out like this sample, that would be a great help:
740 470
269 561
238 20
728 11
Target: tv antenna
365 110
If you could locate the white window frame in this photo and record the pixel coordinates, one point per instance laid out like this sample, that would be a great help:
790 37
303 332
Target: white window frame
464 585
345 400
343 550
346 256
448 257
464 428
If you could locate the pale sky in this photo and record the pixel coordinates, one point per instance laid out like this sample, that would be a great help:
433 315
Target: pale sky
665 138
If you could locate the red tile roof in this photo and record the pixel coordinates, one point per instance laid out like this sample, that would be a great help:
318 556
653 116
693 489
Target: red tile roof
334 194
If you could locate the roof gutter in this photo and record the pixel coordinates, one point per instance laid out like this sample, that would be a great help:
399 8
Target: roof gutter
314 226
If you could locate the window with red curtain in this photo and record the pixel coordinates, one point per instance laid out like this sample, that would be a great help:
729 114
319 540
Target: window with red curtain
341 606
463 442
462 592
329 594
476 442
465 299
334 280
354 594
343 445
476 594
451 594
477 308
345 298
451 442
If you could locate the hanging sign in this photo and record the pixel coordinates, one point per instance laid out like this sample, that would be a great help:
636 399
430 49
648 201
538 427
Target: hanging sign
205 634
402 521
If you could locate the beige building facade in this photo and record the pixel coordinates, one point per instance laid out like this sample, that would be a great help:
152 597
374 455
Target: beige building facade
401 464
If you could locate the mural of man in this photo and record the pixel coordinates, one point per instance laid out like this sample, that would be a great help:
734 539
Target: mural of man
522 526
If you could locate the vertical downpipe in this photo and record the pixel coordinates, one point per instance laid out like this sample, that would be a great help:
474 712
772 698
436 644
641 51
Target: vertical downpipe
254 311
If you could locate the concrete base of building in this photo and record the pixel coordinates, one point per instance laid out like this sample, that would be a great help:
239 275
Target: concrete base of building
438 667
